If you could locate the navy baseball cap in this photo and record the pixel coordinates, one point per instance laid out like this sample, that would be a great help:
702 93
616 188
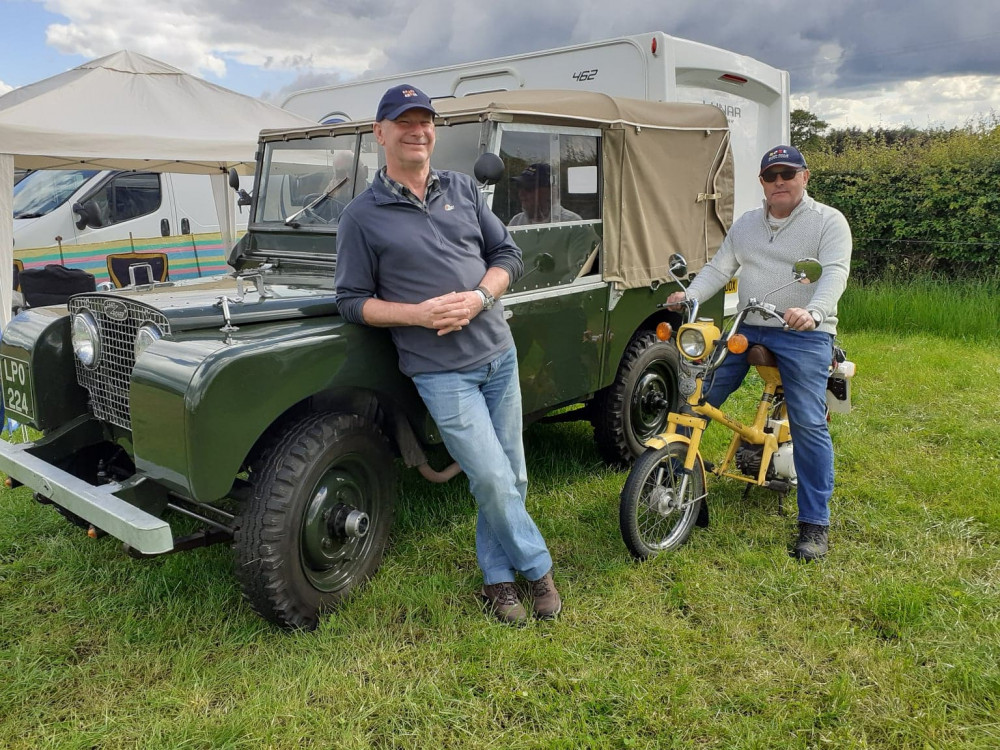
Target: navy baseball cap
539 174
785 156
400 99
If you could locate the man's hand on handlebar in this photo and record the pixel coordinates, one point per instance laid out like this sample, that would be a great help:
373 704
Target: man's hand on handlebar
798 319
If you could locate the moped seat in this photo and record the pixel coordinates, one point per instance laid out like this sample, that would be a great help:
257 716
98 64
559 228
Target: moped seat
761 356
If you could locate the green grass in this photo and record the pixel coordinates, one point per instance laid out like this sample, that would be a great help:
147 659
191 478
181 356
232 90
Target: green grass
964 309
893 642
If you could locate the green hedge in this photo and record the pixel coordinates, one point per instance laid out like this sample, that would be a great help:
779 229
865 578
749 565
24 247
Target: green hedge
917 207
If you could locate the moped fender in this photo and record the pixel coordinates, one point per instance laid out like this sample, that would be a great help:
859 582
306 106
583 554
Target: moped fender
662 441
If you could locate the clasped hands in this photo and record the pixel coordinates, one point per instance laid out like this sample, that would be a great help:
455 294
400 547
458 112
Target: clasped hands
450 312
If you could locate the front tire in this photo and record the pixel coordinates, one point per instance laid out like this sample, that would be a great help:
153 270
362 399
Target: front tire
635 407
654 515
318 519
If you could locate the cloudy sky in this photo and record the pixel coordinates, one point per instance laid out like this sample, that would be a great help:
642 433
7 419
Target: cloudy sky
852 62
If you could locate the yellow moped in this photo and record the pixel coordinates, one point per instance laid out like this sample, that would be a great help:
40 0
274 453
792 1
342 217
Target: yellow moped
664 495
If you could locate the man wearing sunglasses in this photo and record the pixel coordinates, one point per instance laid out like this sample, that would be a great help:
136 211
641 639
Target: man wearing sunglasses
762 245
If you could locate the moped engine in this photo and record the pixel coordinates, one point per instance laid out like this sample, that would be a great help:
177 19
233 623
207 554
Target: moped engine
782 466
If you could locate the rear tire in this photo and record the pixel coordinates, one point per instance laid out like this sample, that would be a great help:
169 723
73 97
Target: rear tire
653 515
635 407
317 521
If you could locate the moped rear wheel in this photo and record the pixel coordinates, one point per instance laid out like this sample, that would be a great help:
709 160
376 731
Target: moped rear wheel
656 514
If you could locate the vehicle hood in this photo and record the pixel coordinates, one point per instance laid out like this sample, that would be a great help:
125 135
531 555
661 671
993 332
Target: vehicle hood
197 303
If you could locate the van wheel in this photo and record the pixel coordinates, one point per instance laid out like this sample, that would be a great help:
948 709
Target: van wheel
317 521
634 408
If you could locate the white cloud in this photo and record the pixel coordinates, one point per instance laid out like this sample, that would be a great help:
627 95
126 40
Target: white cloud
939 101
4 88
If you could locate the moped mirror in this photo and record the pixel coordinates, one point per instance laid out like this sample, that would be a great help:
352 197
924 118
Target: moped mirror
488 169
809 269
678 265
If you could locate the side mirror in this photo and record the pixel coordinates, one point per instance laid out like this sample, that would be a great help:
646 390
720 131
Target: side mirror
808 269
90 215
678 265
488 169
234 178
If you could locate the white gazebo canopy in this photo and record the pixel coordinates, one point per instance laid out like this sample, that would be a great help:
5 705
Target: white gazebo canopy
128 111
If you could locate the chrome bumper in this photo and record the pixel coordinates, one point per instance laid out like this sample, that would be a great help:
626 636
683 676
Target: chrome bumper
94 503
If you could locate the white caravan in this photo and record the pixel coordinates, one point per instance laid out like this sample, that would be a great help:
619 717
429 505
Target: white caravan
651 66
77 217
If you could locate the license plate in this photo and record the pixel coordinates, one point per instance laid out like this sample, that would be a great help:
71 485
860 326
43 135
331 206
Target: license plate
17 395
732 286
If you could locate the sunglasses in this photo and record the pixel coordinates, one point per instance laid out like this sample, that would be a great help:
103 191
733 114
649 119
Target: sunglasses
785 174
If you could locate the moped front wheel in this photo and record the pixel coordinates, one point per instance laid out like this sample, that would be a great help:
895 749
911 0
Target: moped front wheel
658 509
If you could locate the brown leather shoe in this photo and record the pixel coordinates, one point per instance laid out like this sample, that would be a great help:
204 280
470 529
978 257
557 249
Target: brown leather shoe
502 602
545 600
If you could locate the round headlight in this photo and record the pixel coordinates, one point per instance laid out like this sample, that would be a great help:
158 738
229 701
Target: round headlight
146 336
86 339
692 342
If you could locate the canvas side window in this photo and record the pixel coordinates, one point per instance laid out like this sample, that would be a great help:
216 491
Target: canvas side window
551 178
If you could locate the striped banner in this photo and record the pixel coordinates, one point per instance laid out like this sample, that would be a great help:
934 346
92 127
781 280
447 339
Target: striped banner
188 256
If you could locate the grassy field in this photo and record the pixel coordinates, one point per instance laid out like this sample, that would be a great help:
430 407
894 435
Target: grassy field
893 642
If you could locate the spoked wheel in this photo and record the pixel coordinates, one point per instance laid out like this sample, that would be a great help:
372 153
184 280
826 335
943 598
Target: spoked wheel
656 514
318 519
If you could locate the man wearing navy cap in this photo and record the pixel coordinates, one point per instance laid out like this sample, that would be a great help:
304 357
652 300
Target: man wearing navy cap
534 191
762 245
420 252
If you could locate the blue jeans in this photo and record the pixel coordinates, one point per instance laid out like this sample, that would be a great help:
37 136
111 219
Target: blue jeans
803 361
478 412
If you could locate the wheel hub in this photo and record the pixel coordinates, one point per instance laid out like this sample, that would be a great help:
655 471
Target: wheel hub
661 500
334 524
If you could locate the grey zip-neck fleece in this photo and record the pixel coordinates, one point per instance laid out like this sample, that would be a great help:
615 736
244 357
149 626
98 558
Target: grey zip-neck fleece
764 258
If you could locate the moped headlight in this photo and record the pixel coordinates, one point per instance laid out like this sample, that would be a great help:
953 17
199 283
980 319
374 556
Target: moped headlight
692 342
145 336
86 339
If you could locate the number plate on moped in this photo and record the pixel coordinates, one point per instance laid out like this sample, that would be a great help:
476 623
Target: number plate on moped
17 394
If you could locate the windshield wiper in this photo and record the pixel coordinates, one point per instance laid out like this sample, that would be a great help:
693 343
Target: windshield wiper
329 191
34 215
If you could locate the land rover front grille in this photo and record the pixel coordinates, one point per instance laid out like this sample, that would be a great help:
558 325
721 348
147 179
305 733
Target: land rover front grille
118 319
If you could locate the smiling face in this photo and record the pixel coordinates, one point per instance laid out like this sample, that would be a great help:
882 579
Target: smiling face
783 195
408 140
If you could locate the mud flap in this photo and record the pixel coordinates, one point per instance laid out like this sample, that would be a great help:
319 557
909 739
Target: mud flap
703 514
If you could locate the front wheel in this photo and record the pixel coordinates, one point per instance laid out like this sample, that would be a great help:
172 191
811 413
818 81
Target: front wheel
318 519
656 514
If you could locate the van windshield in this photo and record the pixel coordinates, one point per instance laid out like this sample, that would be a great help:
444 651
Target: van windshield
44 190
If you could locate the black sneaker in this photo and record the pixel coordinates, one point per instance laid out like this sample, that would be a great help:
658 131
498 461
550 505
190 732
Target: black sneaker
502 602
812 543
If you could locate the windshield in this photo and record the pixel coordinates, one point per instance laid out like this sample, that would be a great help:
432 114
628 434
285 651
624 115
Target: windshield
45 190
307 183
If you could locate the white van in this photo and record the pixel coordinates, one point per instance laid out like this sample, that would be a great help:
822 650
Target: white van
77 217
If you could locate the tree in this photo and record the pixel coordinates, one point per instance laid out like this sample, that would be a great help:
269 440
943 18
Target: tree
807 129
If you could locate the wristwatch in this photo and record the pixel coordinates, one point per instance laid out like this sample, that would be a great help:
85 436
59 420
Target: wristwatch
488 299
817 317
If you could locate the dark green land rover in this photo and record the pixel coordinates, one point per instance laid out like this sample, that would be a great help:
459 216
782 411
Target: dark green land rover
246 403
